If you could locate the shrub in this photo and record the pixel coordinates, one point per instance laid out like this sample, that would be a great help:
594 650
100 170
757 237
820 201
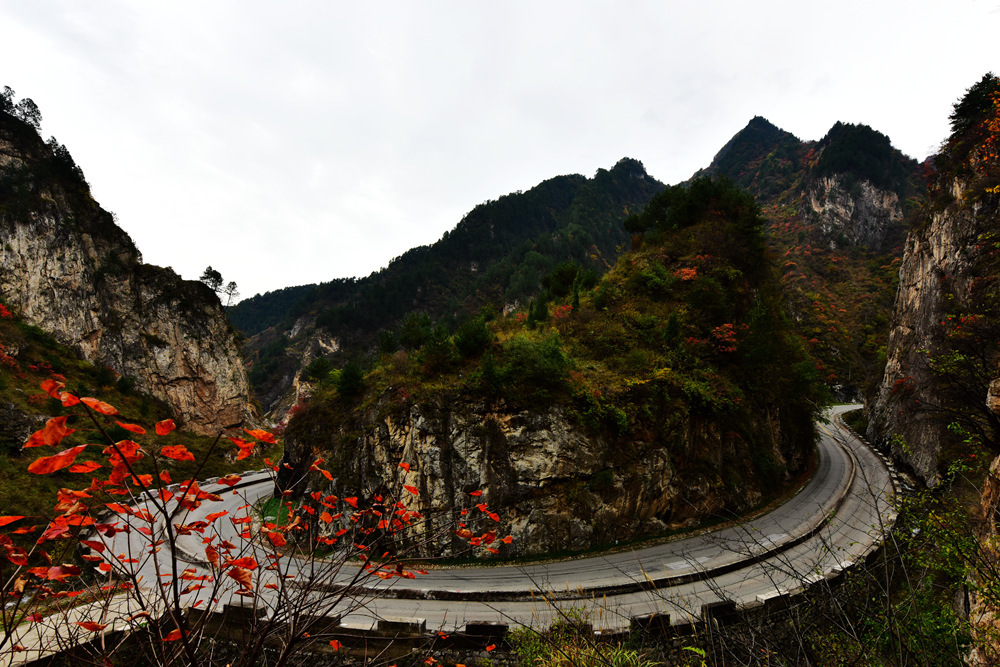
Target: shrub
473 337
351 381
534 366
318 369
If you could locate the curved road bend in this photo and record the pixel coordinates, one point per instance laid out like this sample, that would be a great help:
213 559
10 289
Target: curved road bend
837 518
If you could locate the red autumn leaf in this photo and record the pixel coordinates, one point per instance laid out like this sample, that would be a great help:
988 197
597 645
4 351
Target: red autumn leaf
145 481
90 625
164 427
325 517
246 562
412 489
216 515
482 507
85 467
352 501
246 448
507 540
173 635
277 539
94 544
24 530
335 645
165 476
243 577
261 435
73 520
53 433
99 406
55 572
118 509
477 492
52 387
135 428
54 532
230 480
494 516
34 618
405 466
212 555
18 556
49 464
177 452
491 647
4 520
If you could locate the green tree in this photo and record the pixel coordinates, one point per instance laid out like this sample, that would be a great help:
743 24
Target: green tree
27 111
230 291
318 369
473 337
351 381
212 278
415 330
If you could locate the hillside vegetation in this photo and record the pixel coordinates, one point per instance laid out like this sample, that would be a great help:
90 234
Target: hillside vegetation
679 353
501 253
28 356
837 212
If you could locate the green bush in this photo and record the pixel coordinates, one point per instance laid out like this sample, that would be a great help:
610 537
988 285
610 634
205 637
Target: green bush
438 352
351 381
473 337
534 366
318 369
415 330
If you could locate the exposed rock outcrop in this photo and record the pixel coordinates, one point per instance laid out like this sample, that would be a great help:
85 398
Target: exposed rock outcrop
557 486
856 214
66 267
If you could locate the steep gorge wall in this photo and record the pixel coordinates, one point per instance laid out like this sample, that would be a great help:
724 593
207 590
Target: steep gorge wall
937 273
67 268
555 485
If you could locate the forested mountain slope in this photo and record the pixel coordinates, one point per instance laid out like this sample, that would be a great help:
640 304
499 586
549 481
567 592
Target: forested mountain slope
670 393
501 254
836 214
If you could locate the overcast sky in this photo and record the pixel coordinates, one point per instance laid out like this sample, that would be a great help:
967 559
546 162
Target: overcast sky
297 142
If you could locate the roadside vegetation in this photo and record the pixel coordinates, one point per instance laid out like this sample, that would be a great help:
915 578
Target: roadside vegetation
28 356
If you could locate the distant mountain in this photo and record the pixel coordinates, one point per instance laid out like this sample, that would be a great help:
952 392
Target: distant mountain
502 253
837 214
761 158
253 315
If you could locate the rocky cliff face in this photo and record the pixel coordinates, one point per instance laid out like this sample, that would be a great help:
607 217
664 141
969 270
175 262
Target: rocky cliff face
556 486
935 277
66 267
855 213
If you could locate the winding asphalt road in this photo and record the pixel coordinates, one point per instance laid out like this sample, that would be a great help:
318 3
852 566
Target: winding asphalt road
835 520
839 517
